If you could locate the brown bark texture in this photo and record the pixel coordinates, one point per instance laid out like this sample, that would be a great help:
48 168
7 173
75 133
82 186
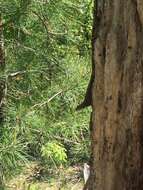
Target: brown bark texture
117 94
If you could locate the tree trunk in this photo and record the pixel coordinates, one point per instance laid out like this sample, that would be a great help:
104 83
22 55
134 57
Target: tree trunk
117 117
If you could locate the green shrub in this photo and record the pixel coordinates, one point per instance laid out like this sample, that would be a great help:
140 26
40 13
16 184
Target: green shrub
54 153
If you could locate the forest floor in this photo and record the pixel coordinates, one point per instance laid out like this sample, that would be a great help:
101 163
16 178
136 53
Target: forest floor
35 177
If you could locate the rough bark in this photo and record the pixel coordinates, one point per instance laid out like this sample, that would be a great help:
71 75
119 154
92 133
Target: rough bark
117 117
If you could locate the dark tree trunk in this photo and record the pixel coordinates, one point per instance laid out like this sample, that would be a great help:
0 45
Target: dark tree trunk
117 93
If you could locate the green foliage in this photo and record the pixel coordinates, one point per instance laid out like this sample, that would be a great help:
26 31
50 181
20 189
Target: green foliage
12 152
47 46
54 152
33 187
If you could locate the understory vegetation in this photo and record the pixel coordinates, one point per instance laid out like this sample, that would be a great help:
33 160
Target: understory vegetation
47 56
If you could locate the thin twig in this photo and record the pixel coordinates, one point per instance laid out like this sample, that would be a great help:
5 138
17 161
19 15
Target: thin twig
46 102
